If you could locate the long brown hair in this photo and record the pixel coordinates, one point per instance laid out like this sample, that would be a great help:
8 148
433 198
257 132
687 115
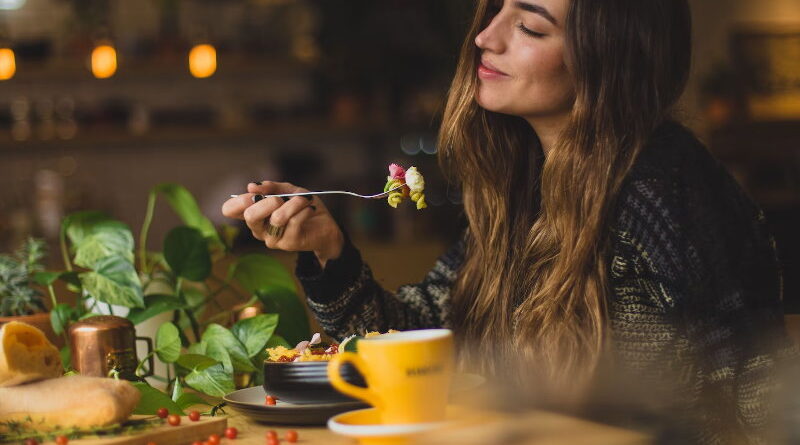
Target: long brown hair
534 282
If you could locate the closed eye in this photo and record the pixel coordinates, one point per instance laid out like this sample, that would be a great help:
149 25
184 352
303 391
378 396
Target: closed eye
530 32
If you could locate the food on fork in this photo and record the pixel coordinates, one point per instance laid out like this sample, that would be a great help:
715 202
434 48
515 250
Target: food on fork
413 186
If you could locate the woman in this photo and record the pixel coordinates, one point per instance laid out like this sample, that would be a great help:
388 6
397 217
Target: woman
602 235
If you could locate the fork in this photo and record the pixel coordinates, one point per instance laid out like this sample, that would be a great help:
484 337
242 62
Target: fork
331 192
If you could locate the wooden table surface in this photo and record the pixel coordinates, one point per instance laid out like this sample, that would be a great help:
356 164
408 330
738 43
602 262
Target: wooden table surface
255 433
532 428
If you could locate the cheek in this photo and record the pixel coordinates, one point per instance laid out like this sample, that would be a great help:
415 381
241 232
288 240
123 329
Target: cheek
547 77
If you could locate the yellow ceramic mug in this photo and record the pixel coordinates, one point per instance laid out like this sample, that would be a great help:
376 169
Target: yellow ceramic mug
407 373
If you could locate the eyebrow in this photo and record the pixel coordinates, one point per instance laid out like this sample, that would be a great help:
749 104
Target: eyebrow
537 9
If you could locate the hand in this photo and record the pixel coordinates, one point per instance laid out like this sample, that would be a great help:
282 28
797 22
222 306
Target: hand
307 224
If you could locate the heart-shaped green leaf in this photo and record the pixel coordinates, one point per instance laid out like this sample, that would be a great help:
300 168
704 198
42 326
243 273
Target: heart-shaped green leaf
261 273
187 253
153 399
114 281
185 206
188 400
80 224
195 361
168 343
277 340
222 345
46 278
214 381
154 305
254 332
106 238
293 324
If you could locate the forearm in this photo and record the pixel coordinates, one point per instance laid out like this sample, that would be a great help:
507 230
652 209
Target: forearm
346 299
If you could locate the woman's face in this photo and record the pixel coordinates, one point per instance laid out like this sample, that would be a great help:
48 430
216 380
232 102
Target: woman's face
522 70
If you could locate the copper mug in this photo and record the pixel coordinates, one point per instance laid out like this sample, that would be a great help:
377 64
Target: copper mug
106 344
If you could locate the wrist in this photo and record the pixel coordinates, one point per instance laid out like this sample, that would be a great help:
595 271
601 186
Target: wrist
333 251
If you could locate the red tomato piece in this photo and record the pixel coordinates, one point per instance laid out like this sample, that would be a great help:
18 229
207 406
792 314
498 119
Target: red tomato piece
231 432
174 419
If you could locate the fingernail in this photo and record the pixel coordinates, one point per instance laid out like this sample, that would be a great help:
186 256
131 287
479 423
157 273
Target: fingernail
256 182
257 198
285 198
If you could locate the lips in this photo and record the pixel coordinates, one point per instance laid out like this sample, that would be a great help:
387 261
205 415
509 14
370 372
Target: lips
487 71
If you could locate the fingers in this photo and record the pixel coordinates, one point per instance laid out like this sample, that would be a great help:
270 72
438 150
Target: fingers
281 216
256 215
273 188
235 207
292 237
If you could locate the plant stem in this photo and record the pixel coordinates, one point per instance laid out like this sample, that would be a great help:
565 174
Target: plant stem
142 362
52 295
194 323
62 240
148 218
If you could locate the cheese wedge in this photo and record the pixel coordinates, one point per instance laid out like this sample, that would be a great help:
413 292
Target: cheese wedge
69 402
26 355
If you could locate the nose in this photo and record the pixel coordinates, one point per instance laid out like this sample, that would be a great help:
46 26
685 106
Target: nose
491 39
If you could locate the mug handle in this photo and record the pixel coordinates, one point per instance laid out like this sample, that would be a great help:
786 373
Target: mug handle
150 356
352 390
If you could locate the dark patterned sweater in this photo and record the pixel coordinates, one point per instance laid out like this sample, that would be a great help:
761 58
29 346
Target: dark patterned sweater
695 301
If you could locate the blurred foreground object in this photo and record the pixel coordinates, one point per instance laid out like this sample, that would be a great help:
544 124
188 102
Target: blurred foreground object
26 355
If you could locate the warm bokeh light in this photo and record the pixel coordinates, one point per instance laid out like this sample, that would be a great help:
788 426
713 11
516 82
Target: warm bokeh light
104 61
203 61
8 65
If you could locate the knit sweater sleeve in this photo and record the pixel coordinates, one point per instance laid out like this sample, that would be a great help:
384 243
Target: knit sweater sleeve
697 287
346 299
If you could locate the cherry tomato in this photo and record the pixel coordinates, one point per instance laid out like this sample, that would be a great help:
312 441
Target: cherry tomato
62 440
31 442
162 412
271 400
291 436
231 432
273 441
197 442
174 419
194 416
214 439
271 434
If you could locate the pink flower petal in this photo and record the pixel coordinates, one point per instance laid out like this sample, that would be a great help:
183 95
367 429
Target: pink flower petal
397 171
301 346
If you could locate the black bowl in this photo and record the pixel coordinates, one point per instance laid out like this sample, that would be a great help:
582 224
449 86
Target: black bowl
307 382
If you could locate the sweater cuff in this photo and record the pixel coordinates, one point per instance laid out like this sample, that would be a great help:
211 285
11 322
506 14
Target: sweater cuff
323 286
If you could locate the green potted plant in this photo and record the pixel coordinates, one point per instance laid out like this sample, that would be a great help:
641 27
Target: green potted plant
21 299
196 344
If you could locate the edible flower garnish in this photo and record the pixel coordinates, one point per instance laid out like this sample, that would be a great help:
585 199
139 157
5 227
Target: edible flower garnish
412 182
315 350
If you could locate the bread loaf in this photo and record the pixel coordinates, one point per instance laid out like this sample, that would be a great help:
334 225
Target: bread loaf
69 402
26 355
